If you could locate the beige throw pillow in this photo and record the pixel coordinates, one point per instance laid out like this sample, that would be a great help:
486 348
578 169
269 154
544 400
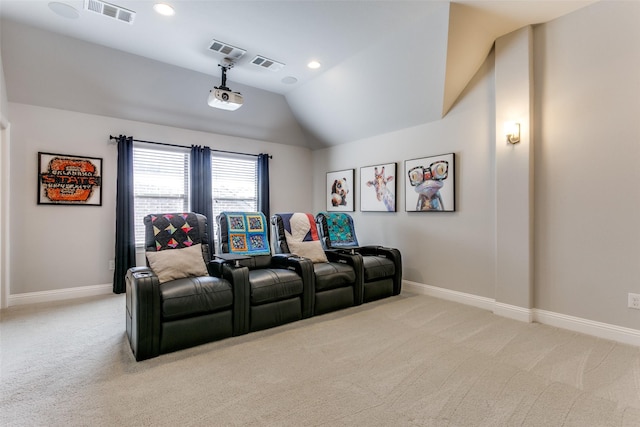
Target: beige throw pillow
171 264
310 249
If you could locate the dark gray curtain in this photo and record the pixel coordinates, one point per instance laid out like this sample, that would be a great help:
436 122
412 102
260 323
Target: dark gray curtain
201 195
125 256
263 184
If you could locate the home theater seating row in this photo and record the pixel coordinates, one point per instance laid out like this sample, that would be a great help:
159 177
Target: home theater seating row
187 296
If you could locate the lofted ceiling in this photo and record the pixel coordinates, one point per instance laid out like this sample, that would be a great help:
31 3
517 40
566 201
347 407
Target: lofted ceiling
386 65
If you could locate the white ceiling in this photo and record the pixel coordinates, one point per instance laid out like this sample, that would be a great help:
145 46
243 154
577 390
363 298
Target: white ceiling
375 44
291 32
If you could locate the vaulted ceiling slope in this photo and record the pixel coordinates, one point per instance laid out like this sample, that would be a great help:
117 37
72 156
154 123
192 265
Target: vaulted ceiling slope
387 64
51 70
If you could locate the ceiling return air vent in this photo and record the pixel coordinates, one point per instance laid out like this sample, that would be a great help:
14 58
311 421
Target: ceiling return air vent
227 50
267 63
110 10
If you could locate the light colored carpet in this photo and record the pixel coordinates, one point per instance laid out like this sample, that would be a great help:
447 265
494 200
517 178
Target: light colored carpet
410 360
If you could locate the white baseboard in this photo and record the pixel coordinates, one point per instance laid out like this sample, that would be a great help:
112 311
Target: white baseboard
513 312
575 324
589 327
59 294
449 295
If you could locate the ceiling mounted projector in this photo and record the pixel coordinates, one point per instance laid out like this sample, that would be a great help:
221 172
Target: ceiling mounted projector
221 96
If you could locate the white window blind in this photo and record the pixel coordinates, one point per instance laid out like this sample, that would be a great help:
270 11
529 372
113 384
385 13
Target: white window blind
234 181
161 183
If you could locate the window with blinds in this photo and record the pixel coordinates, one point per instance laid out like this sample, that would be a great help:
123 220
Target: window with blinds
234 181
161 183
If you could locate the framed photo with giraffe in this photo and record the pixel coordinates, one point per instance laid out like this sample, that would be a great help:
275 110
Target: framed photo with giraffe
430 184
339 191
378 188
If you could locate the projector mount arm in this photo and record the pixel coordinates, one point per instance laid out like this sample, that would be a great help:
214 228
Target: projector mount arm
228 64
222 97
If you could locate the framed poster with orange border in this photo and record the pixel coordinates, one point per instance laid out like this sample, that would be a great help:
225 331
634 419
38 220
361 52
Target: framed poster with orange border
69 180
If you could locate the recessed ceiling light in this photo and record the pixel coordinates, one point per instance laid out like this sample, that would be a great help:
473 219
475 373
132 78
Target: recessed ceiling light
64 10
164 9
289 80
313 65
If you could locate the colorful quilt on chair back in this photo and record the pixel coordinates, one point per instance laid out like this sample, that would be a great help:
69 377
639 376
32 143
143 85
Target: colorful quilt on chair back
302 237
341 231
299 227
175 231
248 233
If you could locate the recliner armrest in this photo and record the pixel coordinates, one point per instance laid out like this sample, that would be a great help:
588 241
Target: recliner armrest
376 250
354 259
342 255
215 267
304 268
143 312
281 260
238 276
364 250
394 255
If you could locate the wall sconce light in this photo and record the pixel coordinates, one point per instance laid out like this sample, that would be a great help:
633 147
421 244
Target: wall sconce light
512 130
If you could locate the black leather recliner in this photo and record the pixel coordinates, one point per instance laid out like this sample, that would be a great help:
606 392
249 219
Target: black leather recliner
279 287
337 278
382 265
171 307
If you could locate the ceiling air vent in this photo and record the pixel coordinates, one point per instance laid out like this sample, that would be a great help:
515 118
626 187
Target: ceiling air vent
270 64
227 50
110 10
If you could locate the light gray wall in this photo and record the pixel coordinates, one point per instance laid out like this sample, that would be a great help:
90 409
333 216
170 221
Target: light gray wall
58 247
514 169
4 188
586 199
4 102
449 250
587 204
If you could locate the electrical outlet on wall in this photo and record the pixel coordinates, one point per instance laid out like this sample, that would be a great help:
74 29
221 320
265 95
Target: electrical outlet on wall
634 301
112 264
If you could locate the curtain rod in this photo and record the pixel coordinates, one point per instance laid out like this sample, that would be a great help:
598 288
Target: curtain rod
182 146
